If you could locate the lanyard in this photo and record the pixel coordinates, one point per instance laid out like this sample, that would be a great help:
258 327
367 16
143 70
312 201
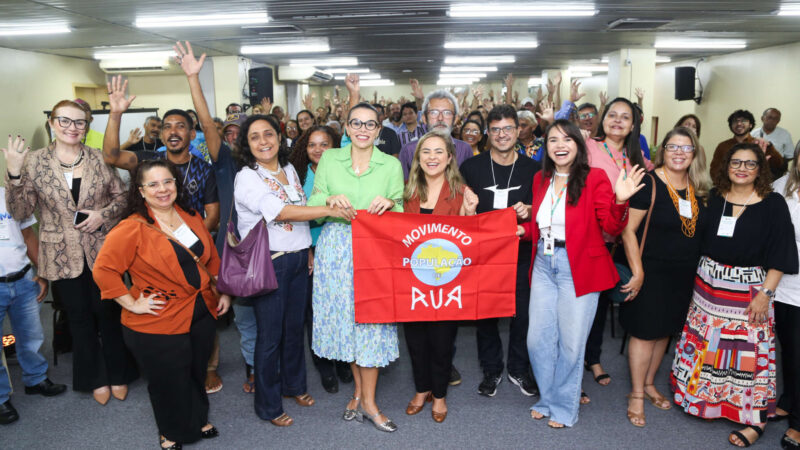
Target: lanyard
554 204
743 206
491 164
624 165
188 167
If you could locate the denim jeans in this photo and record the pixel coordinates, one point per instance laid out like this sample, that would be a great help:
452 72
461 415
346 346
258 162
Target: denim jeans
18 300
245 320
558 328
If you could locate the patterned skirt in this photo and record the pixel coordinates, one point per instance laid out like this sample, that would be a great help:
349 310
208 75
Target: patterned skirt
724 366
336 335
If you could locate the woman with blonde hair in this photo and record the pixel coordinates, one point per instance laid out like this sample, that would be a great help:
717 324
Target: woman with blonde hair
434 187
662 267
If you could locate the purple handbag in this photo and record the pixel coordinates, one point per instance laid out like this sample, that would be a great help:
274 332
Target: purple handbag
246 269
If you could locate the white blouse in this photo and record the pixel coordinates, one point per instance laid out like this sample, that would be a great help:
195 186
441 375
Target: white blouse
788 291
557 226
258 194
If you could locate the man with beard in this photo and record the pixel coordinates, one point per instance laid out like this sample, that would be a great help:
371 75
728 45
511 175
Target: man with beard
741 122
152 130
230 129
395 119
502 177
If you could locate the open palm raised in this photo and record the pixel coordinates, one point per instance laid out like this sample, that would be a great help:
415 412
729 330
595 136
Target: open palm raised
628 185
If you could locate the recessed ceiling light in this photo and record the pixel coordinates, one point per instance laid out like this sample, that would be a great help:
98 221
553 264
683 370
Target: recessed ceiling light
699 44
663 59
469 69
324 62
455 81
8 29
366 76
462 75
580 74
479 59
589 68
316 46
484 44
789 10
347 70
377 83
202 20
407 70
483 10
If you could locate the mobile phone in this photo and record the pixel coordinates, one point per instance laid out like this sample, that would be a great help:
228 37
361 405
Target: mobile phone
80 217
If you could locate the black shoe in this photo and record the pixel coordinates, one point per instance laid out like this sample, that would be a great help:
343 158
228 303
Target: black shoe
787 442
209 433
174 446
8 413
455 376
344 372
330 383
46 388
488 386
525 383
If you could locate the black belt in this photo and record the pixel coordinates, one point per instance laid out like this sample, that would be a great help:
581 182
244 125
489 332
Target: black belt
15 276
557 243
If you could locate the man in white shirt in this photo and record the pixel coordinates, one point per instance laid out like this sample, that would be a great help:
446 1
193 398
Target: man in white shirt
20 295
779 137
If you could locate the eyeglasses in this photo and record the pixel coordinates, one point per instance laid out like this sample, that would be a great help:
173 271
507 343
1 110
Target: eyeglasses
472 132
749 164
446 113
167 183
357 124
672 148
507 129
741 120
65 122
585 116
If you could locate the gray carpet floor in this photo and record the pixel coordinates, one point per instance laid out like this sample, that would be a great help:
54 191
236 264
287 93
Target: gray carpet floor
73 420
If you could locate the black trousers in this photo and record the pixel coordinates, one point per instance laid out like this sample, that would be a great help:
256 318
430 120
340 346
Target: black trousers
490 347
594 343
99 356
175 368
430 346
787 324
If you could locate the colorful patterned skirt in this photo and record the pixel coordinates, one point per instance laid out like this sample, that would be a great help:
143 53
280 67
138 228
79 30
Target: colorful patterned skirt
724 366
336 335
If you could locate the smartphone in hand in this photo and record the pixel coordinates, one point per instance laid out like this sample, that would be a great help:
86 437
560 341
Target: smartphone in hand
80 217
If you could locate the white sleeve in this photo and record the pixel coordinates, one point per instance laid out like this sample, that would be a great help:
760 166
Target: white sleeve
256 196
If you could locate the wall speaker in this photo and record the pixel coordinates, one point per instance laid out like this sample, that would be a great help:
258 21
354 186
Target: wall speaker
260 82
684 83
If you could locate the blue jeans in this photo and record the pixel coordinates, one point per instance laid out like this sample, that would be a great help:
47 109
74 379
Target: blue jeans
557 331
280 364
245 319
18 299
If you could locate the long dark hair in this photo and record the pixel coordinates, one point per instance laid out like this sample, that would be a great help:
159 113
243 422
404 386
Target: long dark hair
136 203
247 158
632 147
763 181
299 156
482 141
580 167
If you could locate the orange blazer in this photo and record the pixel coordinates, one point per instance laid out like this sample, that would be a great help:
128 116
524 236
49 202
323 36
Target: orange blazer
445 206
150 259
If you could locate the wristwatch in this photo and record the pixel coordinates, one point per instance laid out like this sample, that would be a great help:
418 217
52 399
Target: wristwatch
769 292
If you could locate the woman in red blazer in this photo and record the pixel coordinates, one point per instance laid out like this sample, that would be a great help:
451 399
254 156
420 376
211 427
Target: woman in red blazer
434 187
572 205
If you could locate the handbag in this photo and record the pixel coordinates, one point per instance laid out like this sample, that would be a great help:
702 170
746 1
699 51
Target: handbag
246 269
624 272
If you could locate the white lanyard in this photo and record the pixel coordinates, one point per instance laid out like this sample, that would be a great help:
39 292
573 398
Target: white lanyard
727 224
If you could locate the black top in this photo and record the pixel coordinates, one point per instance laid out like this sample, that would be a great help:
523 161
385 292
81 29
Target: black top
665 240
142 145
199 184
76 189
425 210
190 270
764 235
388 142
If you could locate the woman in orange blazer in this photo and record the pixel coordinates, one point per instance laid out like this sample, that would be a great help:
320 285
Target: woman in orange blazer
170 311
434 187
572 205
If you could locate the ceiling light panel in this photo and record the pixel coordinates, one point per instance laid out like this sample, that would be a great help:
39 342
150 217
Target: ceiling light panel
33 29
791 9
516 10
469 69
589 68
486 44
282 49
504 59
202 20
323 62
462 75
366 76
376 83
699 44
347 70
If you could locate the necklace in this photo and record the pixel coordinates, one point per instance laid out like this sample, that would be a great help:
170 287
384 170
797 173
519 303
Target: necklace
78 159
743 206
492 163
624 165
168 224
687 225
276 173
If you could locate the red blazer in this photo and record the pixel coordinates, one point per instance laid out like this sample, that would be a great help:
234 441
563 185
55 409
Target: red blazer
445 206
597 211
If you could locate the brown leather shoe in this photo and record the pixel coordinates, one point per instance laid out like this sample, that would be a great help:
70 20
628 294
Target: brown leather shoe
438 417
120 392
102 395
413 409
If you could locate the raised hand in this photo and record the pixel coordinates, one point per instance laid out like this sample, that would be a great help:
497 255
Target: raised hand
353 83
135 136
308 101
557 79
763 144
547 112
639 94
574 95
15 155
478 91
416 89
266 103
509 81
470 203
539 96
184 56
603 99
117 101
628 185
374 96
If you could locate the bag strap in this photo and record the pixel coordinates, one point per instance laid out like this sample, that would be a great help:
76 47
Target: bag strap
649 214
191 253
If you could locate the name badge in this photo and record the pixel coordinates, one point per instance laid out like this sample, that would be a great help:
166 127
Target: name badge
68 176
685 208
726 226
5 230
500 199
549 244
292 193
185 236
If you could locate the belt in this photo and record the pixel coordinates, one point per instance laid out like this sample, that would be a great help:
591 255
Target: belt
15 276
276 255
557 243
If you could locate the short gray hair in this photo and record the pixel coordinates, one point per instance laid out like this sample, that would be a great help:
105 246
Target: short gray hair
440 93
526 115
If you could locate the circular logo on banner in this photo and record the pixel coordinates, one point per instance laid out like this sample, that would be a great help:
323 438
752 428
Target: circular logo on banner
437 262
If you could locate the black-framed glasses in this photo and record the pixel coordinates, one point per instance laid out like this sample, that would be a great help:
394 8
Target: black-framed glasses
749 164
585 116
65 122
506 129
166 182
672 148
357 124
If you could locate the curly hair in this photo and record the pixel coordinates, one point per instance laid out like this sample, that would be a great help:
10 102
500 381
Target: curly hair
763 181
246 155
299 156
136 202
580 167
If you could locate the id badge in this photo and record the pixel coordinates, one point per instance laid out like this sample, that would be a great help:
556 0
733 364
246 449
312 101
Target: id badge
726 226
549 245
185 236
292 193
68 176
5 230
685 208
500 199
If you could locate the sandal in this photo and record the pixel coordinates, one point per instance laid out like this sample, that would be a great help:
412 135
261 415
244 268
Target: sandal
350 414
213 382
657 400
585 400
302 400
555 425
636 419
249 386
282 421
175 445
738 434
534 413
600 377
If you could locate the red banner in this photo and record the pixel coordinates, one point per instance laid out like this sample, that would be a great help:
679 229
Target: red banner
422 267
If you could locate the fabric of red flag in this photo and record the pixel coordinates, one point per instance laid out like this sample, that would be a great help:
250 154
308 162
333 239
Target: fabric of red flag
423 267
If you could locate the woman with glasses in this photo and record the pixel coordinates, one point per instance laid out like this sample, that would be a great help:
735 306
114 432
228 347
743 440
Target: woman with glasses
78 199
661 286
472 134
356 177
724 364
292 132
169 321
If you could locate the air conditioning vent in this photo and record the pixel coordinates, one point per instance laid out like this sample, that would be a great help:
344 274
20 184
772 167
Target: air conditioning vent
303 73
632 24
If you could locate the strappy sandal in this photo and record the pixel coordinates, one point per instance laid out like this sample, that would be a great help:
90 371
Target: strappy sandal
282 421
743 439
249 385
585 400
350 414
636 419
657 400
541 416
555 425
302 400
174 446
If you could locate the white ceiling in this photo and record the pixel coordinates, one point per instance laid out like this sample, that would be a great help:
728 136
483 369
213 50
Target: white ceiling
392 36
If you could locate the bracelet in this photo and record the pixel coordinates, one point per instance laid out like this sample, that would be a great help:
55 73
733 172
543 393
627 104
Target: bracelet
769 292
13 177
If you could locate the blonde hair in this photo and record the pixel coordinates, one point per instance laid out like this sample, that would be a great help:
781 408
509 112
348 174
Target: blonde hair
417 185
698 177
